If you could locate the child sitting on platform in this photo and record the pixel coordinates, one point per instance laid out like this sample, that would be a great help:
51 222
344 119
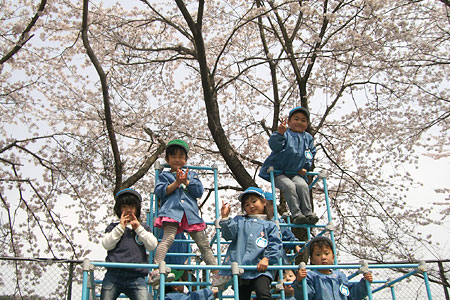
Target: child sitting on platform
293 151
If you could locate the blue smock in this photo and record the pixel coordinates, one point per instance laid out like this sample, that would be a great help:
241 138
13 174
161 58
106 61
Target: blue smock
181 201
251 240
334 286
288 152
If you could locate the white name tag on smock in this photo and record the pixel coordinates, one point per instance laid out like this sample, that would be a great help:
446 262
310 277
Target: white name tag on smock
261 242
344 290
308 154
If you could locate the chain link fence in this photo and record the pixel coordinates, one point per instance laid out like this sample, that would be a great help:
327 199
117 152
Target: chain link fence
49 279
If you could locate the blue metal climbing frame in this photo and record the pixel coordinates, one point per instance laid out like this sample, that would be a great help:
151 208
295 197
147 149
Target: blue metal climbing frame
88 288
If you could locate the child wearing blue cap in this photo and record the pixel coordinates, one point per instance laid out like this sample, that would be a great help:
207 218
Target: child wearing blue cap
127 242
177 191
292 154
255 240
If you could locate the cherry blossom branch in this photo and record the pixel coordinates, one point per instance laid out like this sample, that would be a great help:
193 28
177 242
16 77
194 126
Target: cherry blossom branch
107 105
25 36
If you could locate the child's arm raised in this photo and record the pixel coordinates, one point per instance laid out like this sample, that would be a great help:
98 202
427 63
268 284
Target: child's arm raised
112 236
225 210
283 126
181 177
277 140
229 226
145 236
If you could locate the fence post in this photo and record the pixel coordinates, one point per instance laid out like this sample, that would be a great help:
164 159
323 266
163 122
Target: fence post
444 280
69 282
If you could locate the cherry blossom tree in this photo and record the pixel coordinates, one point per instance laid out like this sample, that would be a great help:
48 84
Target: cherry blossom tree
92 91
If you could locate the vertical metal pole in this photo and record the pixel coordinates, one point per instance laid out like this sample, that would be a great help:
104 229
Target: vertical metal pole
154 212
393 292
84 291
235 272
423 268
327 201
217 212
277 222
162 279
272 182
304 290
369 290
69 282
443 279
427 284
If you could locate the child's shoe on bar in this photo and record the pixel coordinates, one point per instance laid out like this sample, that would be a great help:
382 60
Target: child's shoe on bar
153 278
220 281
312 219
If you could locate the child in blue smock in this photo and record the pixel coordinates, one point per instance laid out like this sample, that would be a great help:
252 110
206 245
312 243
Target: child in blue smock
328 283
255 240
288 280
177 191
293 151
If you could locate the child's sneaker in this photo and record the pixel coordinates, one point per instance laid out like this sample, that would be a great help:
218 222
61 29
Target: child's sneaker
220 281
153 278
312 219
299 219
170 277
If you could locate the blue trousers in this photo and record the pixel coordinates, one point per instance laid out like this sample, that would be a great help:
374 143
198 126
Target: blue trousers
126 282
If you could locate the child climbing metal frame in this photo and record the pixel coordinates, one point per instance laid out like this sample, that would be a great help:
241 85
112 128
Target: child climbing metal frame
88 285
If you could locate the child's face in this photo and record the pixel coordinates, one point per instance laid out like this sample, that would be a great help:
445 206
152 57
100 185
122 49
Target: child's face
322 256
128 209
289 276
298 122
178 288
176 160
254 205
